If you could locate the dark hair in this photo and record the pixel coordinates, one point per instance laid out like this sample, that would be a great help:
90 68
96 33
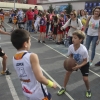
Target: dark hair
18 37
80 34
81 12
68 15
97 7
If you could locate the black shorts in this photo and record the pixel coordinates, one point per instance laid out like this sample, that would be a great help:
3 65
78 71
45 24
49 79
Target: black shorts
85 69
1 52
55 31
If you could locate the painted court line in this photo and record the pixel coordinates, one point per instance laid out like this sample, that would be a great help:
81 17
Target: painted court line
5 42
11 86
12 89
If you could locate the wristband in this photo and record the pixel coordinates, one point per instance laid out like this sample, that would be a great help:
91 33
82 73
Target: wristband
50 83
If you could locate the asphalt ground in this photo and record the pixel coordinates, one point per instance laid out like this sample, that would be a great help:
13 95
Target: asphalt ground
51 58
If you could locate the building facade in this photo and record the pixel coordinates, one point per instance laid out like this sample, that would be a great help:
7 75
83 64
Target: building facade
21 1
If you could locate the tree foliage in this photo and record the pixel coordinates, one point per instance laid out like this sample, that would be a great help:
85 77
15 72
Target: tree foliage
68 8
51 9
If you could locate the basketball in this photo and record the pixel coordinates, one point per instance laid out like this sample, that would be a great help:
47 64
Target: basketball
69 63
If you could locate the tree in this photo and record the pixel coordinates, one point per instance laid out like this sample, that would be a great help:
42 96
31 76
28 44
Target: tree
68 8
51 9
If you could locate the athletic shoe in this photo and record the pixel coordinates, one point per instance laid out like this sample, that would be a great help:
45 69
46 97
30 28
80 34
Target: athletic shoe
97 64
61 91
38 41
91 63
88 94
5 73
43 41
50 38
58 43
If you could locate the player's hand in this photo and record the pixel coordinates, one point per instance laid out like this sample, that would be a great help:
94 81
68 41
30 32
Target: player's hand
9 33
62 28
54 85
76 67
73 27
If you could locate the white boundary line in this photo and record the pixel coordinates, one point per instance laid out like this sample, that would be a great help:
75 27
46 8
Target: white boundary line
11 86
5 42
12 89
9 81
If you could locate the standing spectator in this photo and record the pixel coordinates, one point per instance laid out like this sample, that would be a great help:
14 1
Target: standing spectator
74 24
47 24
83 17
35 10
65 18
20 13
42 29
93 33
2 16
60 32
55 29
14 19
37 23
29 19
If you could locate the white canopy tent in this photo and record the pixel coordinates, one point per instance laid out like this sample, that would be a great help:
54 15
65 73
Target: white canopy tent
18 5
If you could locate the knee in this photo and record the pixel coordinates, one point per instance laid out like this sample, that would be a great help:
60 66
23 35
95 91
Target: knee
68 73
5 57
85 79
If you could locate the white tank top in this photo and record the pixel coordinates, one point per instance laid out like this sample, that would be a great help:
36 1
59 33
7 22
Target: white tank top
31 89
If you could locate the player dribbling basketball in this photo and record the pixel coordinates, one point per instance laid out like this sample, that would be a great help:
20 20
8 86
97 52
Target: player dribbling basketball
80 54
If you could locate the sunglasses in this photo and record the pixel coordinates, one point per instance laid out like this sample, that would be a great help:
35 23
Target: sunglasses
71 14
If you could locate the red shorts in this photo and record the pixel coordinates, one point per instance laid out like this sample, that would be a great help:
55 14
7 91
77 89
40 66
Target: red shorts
42 29
60 32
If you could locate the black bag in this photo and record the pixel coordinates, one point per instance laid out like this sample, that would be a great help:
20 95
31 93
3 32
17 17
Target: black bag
66 42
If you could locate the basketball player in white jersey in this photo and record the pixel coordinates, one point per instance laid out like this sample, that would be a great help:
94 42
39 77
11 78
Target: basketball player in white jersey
28 68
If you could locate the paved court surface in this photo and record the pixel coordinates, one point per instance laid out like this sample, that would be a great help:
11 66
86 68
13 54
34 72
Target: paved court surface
51 59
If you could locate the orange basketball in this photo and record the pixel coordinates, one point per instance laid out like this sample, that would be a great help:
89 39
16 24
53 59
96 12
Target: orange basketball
69 63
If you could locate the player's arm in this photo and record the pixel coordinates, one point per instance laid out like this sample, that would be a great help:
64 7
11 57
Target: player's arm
81 65
69 53
38 73
3 32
